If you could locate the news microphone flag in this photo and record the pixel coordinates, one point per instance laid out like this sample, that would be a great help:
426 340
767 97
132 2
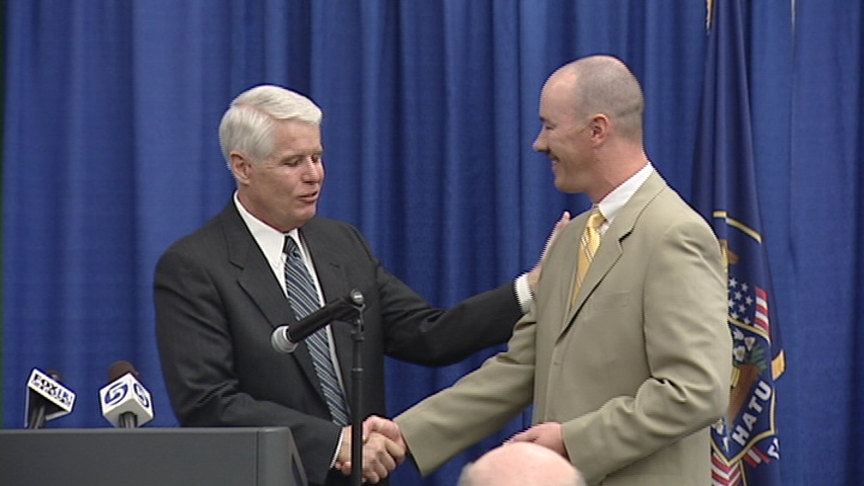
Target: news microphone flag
745 447
45 391
126 395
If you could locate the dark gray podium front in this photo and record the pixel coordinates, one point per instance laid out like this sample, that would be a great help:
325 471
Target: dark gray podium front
150 457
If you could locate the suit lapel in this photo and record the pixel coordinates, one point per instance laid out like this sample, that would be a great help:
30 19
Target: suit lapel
257 280
569 239
611 247
334 284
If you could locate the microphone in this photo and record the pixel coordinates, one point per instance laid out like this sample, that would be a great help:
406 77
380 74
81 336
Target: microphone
125 402
46 399
285 338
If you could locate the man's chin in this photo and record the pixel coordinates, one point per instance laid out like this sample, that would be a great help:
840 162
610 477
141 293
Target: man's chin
299 218
307 214
566 188
560 184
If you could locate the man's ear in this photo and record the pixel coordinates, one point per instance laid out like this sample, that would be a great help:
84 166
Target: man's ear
599 127
240 167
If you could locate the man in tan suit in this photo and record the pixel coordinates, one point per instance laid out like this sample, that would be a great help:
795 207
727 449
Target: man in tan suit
627 370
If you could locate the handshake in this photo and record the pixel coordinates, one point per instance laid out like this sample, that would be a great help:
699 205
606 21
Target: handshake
384 448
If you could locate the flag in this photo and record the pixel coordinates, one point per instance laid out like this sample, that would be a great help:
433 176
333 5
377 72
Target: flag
745 446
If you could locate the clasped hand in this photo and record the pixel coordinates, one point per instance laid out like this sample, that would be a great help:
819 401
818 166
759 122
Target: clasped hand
384 449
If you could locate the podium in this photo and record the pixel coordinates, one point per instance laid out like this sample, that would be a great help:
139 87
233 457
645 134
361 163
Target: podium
263 456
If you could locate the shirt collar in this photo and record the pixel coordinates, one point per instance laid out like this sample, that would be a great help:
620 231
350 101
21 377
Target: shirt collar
269 239
611 205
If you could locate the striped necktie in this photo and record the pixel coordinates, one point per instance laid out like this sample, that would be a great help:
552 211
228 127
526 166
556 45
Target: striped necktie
304 301
588 245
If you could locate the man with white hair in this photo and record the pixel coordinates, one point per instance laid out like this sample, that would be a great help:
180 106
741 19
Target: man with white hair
267 260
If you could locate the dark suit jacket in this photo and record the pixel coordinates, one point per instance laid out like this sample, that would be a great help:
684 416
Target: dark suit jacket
218 302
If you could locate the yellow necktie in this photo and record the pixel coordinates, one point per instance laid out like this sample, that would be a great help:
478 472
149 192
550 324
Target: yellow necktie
588 245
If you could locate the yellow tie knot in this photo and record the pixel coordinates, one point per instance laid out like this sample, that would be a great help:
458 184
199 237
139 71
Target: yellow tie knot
596 218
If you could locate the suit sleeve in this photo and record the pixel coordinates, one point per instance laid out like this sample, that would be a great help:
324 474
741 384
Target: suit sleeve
476 406
417 332
198 361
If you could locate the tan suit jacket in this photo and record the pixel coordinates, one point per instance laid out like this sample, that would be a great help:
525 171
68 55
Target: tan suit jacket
636 370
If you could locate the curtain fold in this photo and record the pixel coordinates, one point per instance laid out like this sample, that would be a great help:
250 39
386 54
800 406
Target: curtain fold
111 153
824 237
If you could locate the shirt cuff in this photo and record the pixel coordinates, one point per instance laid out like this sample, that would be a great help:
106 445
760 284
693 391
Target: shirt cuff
338 448
523 293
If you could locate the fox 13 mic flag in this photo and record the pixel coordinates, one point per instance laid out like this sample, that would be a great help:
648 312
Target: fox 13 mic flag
745 446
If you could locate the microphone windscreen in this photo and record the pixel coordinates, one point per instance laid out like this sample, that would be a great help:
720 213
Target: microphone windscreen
119 369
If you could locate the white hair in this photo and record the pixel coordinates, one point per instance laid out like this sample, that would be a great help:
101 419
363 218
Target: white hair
247 125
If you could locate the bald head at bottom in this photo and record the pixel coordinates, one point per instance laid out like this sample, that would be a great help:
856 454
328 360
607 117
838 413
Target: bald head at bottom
520 464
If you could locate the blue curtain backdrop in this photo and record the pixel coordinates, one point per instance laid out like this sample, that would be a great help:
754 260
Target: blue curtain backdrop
111 153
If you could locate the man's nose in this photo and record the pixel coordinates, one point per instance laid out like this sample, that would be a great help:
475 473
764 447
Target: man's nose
540 143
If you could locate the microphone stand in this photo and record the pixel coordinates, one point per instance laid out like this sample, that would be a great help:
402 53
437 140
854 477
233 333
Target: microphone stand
357 400
36 419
